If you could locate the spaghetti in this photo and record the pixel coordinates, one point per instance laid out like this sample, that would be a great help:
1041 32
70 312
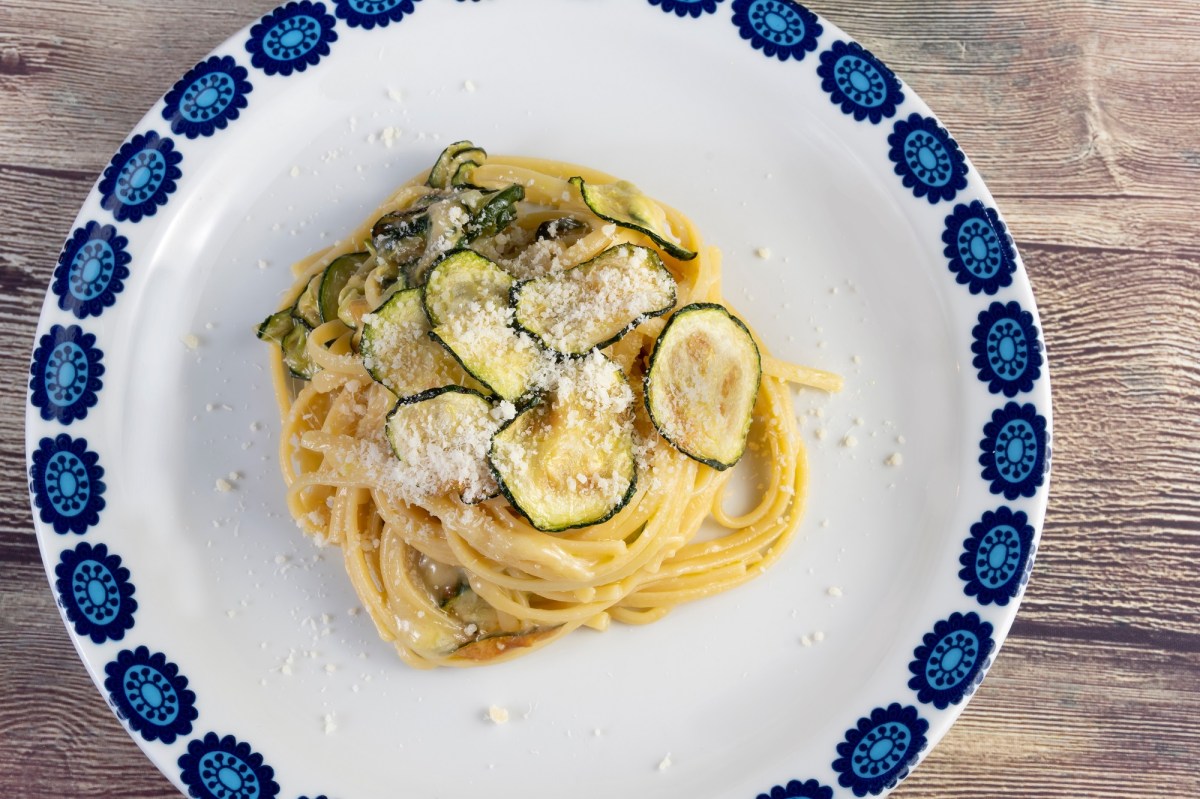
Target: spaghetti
458 580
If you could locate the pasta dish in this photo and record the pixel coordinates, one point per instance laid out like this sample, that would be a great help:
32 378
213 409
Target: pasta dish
513 396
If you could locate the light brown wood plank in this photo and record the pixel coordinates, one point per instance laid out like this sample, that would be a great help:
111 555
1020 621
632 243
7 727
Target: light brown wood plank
59 737
1096 721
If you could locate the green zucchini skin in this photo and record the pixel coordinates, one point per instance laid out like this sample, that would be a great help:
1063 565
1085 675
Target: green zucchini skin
651 372
307 306
276 326
620 455
594 200
290 332
334 279
431 394
401 224
498 212
504 490
432 363
553 229
658 270
449 164
507 373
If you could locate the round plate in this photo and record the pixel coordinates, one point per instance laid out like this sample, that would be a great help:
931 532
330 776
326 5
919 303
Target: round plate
857 238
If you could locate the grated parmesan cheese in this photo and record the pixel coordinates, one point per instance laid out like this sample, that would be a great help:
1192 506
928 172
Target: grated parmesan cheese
594 302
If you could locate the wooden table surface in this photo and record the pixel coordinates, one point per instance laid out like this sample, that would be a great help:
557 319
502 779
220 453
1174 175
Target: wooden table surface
1084 119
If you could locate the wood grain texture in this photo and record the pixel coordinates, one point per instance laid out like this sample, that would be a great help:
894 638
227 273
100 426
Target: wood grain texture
1083 116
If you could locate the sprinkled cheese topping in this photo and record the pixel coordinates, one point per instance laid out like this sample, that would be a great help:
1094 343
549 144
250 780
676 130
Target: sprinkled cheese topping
398 352
440 443
594 303
569 460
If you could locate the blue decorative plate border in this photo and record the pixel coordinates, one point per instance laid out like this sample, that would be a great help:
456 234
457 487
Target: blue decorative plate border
94 587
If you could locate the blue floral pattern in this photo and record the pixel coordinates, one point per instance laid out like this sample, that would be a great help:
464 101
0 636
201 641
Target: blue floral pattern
859 82
780 28
1015 455
997 557
206 99
150 694
810 789
66 373
224 768
1008 353
141 177
880 749
292 38
65 481
366 14
94 590
91 270
687 8
951 660
927 159
981 252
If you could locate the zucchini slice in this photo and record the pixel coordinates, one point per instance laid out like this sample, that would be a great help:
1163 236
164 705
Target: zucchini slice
623 204
276 326
291 334
702 384
568 460
466 298
398 352
307 307
442 438
497 213
449 166
565 227
594 304
334 279
399 225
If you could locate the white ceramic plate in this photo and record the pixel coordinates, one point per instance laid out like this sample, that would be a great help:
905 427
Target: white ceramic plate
830 675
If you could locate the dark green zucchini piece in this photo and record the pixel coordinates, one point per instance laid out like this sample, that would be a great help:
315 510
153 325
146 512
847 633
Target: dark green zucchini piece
466 298
307 306
291 334
444 434
448 221
398 352
568 461
702 384
334 279
402 237
596 303
562 228
276 326
449 166
497 213
295 352
401 224
622 204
